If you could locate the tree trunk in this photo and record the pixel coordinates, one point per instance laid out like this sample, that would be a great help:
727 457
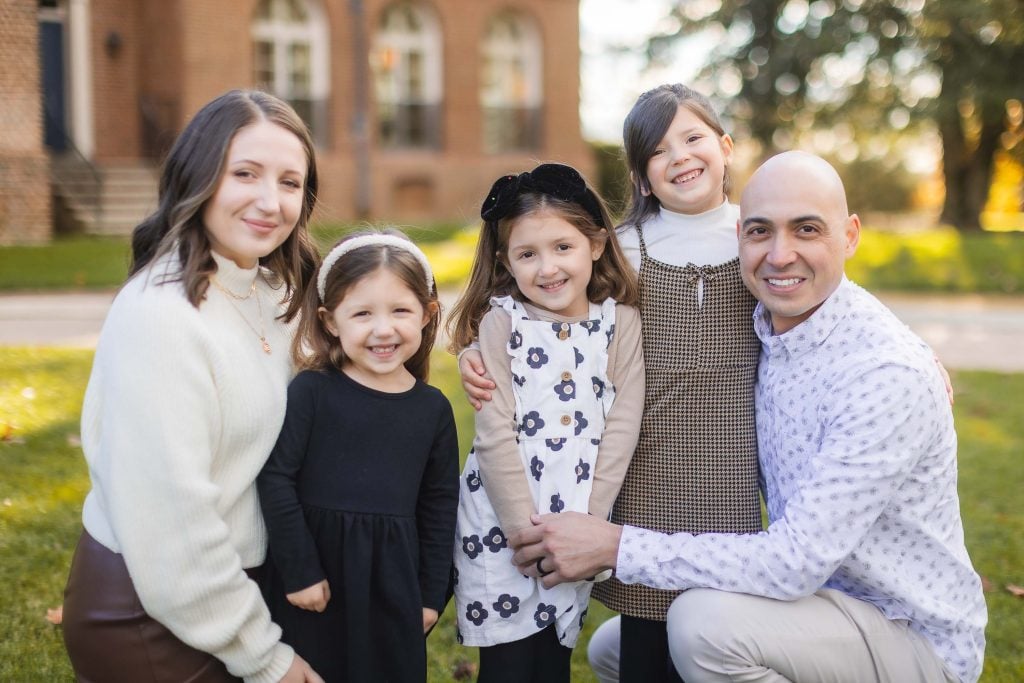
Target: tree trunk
967 173
954 156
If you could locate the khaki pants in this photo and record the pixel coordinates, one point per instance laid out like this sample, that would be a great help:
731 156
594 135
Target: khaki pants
826 637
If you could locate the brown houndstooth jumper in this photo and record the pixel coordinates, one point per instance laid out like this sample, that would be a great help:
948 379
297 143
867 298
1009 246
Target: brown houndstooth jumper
695 466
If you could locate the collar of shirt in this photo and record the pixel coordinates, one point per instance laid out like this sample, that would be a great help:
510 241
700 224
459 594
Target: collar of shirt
809 334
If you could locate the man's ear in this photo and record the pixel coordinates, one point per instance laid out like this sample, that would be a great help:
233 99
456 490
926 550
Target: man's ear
852 230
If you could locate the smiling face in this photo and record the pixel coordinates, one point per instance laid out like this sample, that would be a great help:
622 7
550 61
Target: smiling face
259 196
687 171
379 324
552 261
795 235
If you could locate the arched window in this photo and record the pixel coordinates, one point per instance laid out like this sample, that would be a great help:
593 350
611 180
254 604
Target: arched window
511 91
291 60
406 62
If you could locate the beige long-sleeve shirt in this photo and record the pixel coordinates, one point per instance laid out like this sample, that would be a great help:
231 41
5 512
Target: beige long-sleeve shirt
495 441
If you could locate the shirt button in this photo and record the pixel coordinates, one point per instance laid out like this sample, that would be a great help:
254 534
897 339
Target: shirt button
563 334
566 376
566 420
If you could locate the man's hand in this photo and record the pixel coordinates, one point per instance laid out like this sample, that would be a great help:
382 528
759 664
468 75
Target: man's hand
571 546
300 672
475 381
313 598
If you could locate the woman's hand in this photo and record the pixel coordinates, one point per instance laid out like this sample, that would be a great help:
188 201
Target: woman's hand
429 619
301 672
314 598
475 381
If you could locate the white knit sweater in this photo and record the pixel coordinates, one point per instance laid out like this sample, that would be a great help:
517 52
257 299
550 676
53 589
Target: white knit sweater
182 408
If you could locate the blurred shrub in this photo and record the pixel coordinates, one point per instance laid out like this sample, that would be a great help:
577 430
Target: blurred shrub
877 185
940 260
612 178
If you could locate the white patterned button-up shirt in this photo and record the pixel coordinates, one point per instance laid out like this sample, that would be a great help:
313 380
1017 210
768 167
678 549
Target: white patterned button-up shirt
858 465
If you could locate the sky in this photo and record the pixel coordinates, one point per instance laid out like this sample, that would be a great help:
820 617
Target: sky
611 80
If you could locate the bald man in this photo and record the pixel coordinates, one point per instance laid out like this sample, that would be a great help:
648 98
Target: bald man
862 574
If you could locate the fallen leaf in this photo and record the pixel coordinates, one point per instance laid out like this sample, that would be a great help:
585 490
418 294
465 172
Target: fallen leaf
1015 590
464 671
56 615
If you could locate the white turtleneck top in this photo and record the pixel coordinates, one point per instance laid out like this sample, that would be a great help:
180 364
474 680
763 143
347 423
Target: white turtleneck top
182 408
704 239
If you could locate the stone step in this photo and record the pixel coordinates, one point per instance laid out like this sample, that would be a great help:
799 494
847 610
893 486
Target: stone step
129 194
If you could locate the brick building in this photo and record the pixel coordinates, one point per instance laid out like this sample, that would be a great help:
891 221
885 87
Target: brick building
415 105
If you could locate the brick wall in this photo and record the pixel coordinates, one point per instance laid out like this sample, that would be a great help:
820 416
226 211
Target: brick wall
176 55
117 45
24 165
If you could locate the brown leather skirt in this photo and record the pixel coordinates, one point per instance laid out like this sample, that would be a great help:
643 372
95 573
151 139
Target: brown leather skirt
110 638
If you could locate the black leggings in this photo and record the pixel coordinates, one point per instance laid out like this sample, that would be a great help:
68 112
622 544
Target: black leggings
539 658
643 652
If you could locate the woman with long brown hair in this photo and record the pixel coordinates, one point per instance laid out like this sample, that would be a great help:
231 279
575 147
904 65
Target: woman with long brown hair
184 403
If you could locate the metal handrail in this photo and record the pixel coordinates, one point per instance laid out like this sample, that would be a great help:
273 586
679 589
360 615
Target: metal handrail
97 176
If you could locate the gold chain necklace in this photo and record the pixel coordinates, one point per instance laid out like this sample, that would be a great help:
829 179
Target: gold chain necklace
261 333
234 296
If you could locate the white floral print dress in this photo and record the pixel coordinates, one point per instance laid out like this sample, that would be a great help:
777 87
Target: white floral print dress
562 395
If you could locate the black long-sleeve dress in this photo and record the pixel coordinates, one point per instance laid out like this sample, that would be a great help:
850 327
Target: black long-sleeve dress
362 490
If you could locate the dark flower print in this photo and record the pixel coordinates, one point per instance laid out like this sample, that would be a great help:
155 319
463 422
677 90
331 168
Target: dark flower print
506 605
557 504
458 636
536 467
581 423
561 327
583 615
532 422
520 381
535 357
471 546
598 386
545 615
554 444
579 356
495 540
591 326
475 612
516 340
610 333
473 481
565 390
582 471
595 442
455 575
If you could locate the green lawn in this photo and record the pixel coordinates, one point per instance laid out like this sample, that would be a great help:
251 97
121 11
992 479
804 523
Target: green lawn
44 481
940 260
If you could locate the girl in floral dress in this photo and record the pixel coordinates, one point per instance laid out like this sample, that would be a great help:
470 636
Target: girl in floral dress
550 299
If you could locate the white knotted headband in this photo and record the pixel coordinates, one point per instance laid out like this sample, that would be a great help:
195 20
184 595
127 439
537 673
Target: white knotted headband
370 241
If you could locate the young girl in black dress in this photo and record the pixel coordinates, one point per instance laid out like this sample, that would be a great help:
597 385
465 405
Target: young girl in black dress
361 490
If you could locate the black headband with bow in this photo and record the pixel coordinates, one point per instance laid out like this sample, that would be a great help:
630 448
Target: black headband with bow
554 180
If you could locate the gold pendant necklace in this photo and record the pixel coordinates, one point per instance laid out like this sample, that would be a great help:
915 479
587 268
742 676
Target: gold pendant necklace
261 333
